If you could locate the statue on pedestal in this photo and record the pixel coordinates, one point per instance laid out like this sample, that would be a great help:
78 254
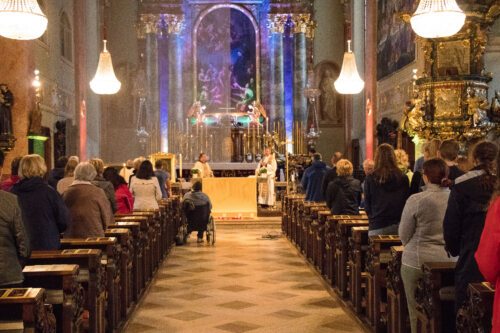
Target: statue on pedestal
6 103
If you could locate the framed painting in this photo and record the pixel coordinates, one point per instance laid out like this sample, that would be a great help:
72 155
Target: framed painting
168 163
395 38
329 105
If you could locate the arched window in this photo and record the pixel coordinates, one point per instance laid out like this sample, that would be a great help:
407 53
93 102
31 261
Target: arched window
66 37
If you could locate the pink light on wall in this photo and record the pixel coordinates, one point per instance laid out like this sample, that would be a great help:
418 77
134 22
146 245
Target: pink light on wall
83 131
369 129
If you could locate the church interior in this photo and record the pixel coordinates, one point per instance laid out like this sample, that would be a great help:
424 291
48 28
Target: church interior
249 166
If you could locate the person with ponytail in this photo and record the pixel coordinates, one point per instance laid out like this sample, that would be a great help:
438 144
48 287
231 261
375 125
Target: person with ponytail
421 229
466 214
488 251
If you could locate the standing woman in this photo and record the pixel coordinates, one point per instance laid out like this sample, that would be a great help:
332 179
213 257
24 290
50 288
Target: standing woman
421 229
386 191
465 216
124 199
44 213
488 252
145 187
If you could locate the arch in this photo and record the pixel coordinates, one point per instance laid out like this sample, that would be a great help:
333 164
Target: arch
255 25
65 37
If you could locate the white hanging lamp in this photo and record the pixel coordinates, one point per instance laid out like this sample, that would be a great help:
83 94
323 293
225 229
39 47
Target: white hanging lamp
105 81
22 19
349 82
437 18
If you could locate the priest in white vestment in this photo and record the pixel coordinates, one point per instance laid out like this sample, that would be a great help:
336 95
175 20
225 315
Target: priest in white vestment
266 172
202 166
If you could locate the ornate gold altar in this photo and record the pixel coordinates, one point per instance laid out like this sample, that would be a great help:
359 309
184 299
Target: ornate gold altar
450 98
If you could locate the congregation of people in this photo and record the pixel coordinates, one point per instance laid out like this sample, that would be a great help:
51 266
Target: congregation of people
76 199
445 209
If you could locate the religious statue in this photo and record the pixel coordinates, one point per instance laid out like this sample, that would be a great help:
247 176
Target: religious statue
6 103
477 108
495 107
266 172
328 108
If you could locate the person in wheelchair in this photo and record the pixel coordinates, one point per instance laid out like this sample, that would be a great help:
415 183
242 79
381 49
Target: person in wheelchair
197 208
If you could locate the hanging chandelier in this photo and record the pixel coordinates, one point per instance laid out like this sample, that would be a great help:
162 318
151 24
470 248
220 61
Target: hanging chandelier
437 18
105 81
349 81
21 19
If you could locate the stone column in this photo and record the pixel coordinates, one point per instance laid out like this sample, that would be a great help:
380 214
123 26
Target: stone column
276 24
303 29
175 116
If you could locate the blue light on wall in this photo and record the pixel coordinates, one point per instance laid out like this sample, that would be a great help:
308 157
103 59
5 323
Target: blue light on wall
288 59
164 89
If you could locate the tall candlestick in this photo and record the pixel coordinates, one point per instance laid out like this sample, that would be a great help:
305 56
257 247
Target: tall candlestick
267 125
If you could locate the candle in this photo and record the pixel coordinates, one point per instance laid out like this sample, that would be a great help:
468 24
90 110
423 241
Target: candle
180 166
267 125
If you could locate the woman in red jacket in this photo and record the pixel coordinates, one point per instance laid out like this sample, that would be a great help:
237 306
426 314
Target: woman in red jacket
124 199
488 252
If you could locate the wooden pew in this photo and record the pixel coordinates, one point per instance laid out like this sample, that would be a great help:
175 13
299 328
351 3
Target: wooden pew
125 240
319 239
297 211
24 309
136 256
146 244
295 220
357 267
63 292
157 237
342 233
378 257
475 315
433 314
111 259
397 308
310 218
92 276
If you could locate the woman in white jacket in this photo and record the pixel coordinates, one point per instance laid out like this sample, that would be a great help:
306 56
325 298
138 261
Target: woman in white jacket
145 187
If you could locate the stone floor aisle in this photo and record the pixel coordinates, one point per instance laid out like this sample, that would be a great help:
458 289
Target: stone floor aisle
244 284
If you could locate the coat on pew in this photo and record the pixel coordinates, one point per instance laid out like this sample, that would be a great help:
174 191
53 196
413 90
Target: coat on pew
89 209
14 242
488 256
44 213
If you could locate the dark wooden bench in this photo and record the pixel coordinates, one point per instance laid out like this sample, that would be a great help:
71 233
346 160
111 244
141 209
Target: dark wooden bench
137 259
125 240
146 244
155 225
434 314
397 308
319 239
63 292
311 218
111 259
357 267
24 309
92 276
342 234
295 221
475 315
378 257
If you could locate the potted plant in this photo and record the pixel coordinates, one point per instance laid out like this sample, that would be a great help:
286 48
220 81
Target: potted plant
195 173
263 172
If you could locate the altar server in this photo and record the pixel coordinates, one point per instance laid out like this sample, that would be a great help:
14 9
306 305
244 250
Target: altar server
203 167
266 171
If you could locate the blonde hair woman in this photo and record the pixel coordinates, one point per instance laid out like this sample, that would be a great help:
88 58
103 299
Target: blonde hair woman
403 163
343 194
44 213
102 183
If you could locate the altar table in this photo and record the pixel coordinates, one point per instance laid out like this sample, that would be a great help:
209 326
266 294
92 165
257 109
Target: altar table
232 197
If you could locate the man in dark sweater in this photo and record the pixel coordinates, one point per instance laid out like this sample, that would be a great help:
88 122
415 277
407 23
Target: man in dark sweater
331 173
312 179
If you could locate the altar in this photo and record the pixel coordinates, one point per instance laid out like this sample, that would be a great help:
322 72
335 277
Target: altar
232 197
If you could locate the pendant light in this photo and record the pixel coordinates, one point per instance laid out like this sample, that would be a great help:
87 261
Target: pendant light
437 18
349 81
105 81
22 19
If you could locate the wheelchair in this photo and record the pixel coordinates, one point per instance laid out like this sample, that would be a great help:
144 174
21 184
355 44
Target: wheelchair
198 218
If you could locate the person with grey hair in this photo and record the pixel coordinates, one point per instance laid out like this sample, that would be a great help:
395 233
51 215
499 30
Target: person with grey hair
88 206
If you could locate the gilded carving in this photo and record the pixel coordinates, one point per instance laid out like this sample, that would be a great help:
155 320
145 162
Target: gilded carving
303 23
174 23
148 24
276 23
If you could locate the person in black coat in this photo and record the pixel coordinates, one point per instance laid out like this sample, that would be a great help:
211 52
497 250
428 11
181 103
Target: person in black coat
44 213
343 194
312 179
331 173
56 174
465 216
448 151
386 191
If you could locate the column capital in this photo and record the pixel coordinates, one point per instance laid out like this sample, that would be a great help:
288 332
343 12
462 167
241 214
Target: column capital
303 23
148 24
174 23
276 22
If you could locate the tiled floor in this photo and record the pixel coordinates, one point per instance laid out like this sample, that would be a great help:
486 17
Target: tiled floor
244 284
